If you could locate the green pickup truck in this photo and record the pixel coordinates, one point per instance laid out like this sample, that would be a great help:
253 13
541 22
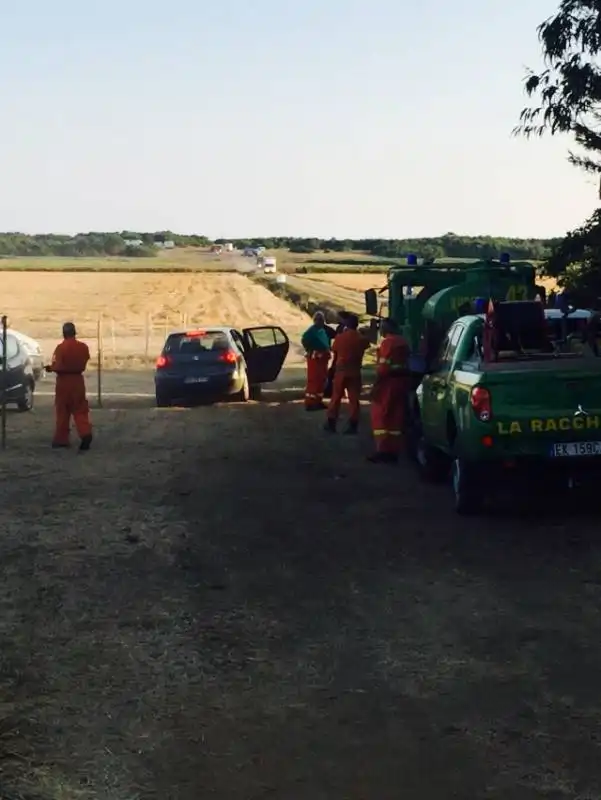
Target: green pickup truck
507 414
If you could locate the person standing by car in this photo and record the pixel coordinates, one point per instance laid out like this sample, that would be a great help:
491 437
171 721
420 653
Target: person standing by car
349 348
69 362
317 352
389 394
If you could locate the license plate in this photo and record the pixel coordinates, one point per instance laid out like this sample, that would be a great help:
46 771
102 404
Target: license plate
196 380
574 449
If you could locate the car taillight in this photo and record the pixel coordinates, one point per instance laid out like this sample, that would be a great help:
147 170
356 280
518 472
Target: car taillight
481 403
162 362
229 357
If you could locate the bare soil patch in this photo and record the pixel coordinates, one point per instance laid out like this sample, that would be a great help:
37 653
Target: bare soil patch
224 602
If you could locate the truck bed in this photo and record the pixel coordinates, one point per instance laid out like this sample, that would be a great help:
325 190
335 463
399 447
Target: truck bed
564 362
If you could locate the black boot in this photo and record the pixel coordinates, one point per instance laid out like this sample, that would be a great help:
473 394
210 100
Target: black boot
86 441
330 426
351 429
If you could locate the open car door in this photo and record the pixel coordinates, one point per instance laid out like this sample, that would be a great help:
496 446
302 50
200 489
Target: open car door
265 350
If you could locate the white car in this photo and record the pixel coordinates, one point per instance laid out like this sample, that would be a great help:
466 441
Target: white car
33 350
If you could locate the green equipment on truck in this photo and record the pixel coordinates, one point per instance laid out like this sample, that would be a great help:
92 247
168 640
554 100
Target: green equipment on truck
425 299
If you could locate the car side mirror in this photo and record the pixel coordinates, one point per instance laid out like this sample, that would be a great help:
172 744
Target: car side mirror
371 302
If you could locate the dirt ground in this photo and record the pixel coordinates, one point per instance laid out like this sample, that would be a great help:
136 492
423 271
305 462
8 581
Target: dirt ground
224 602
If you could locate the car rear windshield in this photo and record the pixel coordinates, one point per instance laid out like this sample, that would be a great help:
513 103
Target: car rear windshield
196 342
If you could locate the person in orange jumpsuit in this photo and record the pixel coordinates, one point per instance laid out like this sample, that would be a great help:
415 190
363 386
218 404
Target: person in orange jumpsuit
317 352
69 362
349 348
332 334
389 395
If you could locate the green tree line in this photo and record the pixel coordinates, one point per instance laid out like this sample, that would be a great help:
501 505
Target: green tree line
119 244
93 243
448 246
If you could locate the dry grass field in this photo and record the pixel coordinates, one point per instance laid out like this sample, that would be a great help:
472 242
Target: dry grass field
290 262
137 309
358 282
188 259
181 259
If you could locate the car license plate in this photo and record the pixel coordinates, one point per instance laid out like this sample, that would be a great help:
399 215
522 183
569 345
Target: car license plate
574 449
196 380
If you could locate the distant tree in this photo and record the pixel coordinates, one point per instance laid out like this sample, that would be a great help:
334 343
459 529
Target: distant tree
113 244
567 99
568 91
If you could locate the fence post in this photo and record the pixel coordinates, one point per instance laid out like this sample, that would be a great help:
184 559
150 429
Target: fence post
99 365
4 378
147 336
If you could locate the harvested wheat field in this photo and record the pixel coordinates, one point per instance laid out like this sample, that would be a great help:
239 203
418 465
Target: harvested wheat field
223 602
349 280
137 309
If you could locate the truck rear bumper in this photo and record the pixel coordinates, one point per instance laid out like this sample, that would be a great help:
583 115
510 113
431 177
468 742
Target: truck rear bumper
543 473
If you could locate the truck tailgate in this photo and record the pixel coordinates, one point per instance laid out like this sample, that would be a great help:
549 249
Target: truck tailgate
550 408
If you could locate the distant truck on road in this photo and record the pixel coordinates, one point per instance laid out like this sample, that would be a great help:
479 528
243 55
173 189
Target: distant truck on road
268 264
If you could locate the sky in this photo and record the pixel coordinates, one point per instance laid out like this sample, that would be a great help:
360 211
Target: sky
345 118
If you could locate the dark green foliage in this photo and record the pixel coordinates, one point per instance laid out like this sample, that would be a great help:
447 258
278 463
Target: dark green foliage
116 244
566 98
568 91
577 262
448 246
91 244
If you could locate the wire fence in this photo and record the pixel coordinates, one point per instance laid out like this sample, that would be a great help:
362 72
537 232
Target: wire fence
117 341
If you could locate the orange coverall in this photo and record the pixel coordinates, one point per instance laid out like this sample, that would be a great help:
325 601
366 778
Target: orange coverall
69 361
317 375
390 394
349 348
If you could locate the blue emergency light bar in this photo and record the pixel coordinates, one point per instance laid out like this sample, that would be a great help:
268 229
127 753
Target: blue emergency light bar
411 260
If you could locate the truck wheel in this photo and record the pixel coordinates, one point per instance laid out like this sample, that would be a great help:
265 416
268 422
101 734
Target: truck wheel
414 429
433 465
467 487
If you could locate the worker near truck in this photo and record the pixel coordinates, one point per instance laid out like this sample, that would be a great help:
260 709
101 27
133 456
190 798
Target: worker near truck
389 395
333 333
69 361
316 343
349 349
